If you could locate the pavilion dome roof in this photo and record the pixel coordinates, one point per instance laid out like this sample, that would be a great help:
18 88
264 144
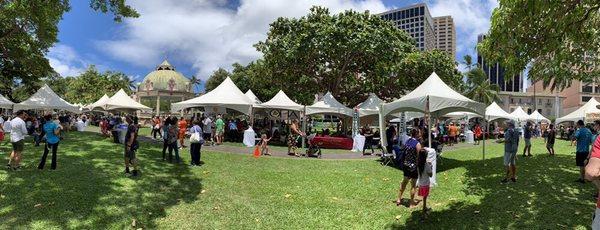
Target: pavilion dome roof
164 77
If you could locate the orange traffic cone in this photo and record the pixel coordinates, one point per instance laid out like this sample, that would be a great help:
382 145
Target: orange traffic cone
256 152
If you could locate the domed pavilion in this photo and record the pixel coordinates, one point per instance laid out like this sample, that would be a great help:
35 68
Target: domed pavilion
162 87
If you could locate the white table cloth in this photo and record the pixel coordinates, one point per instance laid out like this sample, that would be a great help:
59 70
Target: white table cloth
469 137
358 143
432 157
249 137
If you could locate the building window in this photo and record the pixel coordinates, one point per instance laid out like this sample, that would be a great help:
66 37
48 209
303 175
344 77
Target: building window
587 88
539 101
540 111
520 101
585 98
422 9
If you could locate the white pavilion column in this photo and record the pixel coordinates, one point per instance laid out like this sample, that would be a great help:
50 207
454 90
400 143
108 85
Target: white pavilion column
157 104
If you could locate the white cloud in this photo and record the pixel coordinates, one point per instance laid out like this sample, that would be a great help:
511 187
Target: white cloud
65 60
206 34
471 18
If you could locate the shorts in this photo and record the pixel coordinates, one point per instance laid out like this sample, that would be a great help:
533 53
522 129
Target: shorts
424 191
206 136
549 145
410 174
527 142
219 132
129 154
18 146
510 159
580 157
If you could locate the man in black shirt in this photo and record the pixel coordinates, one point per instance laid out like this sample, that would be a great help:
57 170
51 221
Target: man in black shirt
131 145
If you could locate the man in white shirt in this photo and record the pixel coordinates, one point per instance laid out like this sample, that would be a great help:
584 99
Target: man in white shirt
17 134
207 123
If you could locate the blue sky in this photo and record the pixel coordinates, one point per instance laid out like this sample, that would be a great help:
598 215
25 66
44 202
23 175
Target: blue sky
199 36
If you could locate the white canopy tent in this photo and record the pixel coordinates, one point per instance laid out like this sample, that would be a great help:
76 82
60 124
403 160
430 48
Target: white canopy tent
520 115
281 101
589 107
122 101
46 99
370 106
227 95
432 97
253 97
99 103
329 105
537 117
494 112
5 103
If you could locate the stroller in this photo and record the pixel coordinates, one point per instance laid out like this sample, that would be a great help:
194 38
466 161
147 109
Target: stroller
313 149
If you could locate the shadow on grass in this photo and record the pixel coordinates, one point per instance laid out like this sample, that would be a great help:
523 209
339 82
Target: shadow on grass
89 189
544 197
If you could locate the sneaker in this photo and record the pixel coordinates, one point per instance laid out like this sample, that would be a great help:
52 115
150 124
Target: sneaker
504 181
135 173
580 181
513 180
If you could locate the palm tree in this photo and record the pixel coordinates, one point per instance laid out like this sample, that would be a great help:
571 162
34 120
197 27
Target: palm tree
195 83
480 88
468 61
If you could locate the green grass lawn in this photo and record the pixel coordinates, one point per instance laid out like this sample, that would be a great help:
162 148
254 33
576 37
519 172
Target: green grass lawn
233 191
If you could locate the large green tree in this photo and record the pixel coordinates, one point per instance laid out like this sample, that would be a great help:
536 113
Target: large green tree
215 79
90 85
560 40
323 52
28 29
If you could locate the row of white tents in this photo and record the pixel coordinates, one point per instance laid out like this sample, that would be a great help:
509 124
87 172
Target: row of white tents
118 102
46 99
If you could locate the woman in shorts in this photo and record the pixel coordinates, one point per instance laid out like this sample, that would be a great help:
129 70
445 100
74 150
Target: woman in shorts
409 167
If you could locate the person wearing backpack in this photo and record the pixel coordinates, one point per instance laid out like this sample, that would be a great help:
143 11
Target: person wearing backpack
409 167
196 142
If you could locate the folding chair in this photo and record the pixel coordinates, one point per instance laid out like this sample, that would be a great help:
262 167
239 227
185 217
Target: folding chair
387 158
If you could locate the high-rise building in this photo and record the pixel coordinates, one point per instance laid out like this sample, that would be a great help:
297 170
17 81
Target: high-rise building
417 22
497 73
445 35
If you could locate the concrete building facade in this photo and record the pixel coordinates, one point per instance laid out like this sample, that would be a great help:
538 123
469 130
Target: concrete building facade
417 21
445 35
574 96
545 103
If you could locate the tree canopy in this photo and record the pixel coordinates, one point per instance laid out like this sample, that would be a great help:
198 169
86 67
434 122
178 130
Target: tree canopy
28 29
85 88
350 54
559 39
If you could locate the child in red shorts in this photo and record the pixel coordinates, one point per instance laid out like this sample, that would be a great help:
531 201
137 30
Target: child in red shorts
425 172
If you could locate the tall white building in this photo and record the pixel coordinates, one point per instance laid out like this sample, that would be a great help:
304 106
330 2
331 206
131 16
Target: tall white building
428 32
445 35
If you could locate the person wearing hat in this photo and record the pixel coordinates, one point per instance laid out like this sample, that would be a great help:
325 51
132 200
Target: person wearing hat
511 146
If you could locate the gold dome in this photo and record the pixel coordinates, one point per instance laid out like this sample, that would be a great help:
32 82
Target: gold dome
164 77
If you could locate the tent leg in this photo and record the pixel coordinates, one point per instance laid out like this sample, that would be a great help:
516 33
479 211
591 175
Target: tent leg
382 132
488 131
304 129
429 128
